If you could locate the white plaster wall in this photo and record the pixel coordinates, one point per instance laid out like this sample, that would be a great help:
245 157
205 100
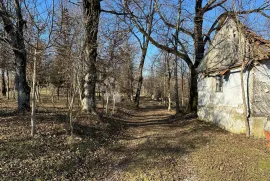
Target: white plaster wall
223 108
230 96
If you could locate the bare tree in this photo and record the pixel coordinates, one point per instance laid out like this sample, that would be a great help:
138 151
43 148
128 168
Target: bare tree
145 12
4 89
169 77
91 10
16 40
38 27
183 71
177 105
195 34
6 62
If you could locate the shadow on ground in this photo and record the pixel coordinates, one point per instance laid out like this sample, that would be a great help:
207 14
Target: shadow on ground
146 144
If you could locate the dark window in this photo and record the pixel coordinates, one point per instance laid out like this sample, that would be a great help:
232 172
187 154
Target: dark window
219 84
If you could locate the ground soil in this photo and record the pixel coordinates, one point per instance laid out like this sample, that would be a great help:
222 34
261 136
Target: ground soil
146 144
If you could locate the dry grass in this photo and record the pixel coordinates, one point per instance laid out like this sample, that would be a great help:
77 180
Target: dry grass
149 144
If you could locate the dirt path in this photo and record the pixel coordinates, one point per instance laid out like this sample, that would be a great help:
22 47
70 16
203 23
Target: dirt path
153 146
158 146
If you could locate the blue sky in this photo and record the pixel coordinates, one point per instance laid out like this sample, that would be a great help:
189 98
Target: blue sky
255 22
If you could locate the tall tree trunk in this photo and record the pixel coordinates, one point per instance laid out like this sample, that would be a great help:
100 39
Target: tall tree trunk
70 108
169 91
4 89
33 113
67 94
169 83
144 47
91 9
193 90
177 107
164 90
130 79
8 88
199 53
107 102
113 109
38 92
130 90
22 86
140 80
58 92
182 86
15 31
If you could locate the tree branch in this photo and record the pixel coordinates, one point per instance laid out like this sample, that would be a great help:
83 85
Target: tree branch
20 22
264 14
8 25
172 25
113 12
181 44
154 42
6 40
209 6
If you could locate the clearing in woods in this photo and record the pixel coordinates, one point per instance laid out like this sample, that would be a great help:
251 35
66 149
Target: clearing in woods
149 144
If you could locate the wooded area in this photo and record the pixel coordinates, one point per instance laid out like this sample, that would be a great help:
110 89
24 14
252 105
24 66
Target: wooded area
85 75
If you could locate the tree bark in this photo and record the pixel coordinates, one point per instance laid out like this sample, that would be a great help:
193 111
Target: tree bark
8 88
113 109
144 47
58 93
91 9
67 94
38 92
130 90
107 102
4 89
169 84
182 86
140 80
22 86
33 113
164 90
193 91
199 53
177 107
130 80
70 109
198 33
15 32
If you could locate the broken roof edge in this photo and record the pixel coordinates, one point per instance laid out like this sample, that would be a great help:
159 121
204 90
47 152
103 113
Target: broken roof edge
247 32
224 70
250 35
220 71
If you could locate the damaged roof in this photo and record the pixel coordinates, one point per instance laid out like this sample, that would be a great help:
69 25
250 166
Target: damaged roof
224 54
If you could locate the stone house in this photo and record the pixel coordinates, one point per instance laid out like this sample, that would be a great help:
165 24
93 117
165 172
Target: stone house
219 80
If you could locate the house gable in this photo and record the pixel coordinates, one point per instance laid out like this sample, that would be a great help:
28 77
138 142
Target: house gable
222 52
